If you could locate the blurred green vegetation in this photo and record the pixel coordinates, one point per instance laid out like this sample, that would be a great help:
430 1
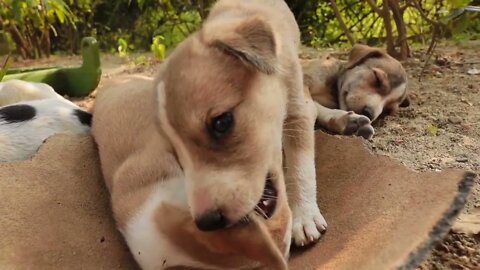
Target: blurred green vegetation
35 28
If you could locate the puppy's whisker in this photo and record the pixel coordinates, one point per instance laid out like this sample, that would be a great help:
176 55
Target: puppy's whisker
269 196
293 133
292 129
245 220
291 122
261 212
295 122
290 185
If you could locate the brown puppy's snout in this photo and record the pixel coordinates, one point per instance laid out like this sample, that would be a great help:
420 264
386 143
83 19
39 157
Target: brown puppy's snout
211 220
368 112
216 218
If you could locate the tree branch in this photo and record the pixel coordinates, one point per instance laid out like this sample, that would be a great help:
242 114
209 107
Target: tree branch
402 30
342 22
422 13
375 7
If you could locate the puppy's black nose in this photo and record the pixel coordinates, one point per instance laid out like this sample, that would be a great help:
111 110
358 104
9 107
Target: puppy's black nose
368 112
211 220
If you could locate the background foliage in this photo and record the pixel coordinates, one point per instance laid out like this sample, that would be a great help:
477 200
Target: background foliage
35 28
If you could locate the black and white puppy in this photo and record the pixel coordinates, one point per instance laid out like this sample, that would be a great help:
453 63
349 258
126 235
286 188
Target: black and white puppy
25 125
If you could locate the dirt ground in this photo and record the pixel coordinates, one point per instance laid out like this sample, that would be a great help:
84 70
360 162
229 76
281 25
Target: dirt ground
441 129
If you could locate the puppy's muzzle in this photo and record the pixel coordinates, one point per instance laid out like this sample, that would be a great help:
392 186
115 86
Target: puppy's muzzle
368 112
211 220
215 219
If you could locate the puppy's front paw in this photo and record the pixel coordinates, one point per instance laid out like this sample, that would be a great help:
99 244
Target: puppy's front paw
308 224
357 124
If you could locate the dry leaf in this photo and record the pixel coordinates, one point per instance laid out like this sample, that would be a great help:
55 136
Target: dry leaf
467 223
473 71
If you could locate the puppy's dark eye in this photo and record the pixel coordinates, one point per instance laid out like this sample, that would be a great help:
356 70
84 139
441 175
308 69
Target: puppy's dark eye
221 125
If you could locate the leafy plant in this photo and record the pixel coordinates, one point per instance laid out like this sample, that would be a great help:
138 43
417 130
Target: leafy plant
141 60
122 47
30 23
36 26
158 47
432 130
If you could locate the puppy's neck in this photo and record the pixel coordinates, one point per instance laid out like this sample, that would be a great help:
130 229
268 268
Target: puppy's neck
335 82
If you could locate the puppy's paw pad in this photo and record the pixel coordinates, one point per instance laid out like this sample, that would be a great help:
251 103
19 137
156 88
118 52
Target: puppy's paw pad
366 132
357 124
308 227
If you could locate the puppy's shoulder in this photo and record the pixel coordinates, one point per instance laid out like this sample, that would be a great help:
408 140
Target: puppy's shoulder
124 91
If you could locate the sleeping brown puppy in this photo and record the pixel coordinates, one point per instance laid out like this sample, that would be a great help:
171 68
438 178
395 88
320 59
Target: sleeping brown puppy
349 95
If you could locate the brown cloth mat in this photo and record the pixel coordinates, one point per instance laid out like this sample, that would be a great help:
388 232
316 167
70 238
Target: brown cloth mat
54 210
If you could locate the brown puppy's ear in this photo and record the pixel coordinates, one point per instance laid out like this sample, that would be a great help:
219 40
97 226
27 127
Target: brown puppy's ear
252 41
405 102
360 53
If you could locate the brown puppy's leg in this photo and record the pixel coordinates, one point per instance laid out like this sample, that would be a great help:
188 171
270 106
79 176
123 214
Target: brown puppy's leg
343 122
299 149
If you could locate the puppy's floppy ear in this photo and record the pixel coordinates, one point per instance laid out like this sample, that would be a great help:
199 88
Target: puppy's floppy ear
251 41
360 53
405 102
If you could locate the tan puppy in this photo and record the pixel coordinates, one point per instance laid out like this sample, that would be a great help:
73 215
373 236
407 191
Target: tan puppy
207 137
351 94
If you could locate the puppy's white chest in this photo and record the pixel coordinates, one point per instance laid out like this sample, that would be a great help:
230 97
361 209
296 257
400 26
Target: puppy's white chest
150 247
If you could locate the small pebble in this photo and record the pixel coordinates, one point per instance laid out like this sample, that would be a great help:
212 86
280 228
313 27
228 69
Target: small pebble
443 247
455 120
462 160
464 259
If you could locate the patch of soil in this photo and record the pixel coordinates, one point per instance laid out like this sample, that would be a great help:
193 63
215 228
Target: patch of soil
441 129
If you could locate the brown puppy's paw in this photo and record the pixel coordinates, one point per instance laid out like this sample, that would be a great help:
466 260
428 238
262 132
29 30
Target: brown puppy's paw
308 224
355 124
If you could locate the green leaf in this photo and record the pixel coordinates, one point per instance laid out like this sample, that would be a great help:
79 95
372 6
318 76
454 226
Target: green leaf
458 3
432 130
17 10
122 47
141 3
158 48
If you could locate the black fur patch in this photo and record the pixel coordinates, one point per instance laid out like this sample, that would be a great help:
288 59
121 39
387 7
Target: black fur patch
17 113
83 116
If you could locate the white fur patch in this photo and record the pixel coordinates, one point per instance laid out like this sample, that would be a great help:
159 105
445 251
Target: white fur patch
399 90
149 246
21 140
